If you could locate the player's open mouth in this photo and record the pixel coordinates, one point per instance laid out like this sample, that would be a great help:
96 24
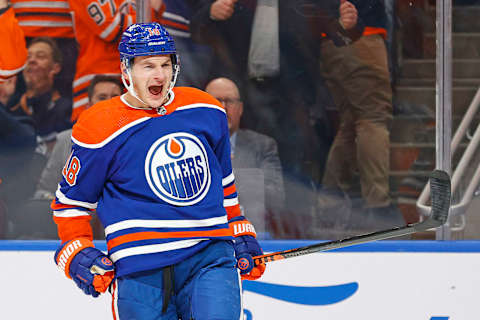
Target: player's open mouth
155 90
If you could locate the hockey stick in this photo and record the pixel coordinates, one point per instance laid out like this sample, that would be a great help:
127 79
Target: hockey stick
441 193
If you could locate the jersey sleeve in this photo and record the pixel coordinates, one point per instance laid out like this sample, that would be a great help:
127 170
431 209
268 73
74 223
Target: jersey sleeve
13 55
223 153
83 178
107 18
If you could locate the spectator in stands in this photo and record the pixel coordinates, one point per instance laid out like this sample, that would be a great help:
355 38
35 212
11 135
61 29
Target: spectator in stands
358 78
252 150
51 18
41 100
99 25
17 145
268 48
17 133
101 88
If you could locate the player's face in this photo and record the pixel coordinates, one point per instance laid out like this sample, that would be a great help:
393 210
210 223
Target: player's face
151 77
103 91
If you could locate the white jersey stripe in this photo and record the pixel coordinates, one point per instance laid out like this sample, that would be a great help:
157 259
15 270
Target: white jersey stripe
129 20
200 105
111 27
43 23
80 102
230 202
175 17
127 224
63 199
228 179
89 77
116 316
9 73
154 248
41 4
69 213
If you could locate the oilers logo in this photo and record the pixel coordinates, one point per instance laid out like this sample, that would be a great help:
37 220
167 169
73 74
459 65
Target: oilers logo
176 168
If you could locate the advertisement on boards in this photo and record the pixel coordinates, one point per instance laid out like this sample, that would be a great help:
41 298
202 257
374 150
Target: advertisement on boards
405 281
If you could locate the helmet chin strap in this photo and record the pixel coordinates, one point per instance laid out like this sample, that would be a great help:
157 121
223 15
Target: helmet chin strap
131 89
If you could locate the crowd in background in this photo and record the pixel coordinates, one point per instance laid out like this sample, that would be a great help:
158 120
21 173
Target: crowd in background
307 86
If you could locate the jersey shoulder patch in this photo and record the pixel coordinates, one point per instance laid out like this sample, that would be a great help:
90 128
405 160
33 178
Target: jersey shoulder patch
105 120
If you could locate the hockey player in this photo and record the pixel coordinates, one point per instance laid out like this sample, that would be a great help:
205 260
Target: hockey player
155 164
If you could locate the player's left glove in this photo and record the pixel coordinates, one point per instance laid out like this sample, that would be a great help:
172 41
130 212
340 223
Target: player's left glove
246 246
87 266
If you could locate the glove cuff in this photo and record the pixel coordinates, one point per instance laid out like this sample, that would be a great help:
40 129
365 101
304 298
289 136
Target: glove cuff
66 253
240 226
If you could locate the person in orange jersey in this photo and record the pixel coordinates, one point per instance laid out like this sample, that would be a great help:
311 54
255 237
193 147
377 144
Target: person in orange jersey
13 55
155 165
50 18
98 28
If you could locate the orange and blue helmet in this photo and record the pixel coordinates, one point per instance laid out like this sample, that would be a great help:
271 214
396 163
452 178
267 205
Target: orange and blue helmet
146 39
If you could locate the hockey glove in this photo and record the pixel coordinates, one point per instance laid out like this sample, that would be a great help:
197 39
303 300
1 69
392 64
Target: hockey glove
246 246
87 266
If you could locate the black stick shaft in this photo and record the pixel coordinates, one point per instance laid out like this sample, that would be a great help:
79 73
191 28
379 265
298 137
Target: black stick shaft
441 194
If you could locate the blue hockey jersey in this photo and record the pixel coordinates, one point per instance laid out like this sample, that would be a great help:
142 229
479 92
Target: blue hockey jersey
161 182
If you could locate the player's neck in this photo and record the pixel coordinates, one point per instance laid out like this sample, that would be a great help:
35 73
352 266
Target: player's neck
134 102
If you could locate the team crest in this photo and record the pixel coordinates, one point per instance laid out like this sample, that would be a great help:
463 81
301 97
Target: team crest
177 169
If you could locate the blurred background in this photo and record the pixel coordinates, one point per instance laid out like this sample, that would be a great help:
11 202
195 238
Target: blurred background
331 105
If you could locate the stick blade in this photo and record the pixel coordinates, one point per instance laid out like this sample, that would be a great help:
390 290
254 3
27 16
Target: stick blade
441 193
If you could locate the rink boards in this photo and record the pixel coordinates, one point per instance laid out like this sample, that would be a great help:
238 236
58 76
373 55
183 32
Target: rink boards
395 280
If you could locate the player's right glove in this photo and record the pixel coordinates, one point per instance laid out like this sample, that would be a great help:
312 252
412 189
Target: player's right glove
87 266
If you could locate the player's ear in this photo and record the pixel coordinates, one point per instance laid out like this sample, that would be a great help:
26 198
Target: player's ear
123 68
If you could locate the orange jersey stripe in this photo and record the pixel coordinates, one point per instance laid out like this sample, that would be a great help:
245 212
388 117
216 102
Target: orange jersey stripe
58 206
373 30
73 228
233 211
44 18
229 190
113 114
167 235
